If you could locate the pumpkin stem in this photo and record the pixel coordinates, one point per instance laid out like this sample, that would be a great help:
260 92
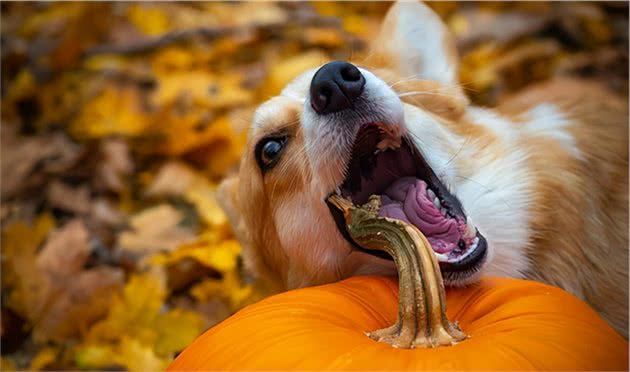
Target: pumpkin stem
422 317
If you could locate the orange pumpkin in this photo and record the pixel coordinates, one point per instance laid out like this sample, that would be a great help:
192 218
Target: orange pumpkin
512 325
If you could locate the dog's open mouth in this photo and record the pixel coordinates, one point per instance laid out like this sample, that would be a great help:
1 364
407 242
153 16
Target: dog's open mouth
384 165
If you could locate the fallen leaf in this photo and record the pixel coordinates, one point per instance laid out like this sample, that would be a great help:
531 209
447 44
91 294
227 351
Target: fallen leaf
220 256
65 251
139 312
203 197
163 183
229 288
155 229
114 111
22 155
283 71
148 18
44 357
116 165
58 297
60 195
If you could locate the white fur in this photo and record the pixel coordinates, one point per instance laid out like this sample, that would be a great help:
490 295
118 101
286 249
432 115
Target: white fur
436 144
548 121
500 126
497 197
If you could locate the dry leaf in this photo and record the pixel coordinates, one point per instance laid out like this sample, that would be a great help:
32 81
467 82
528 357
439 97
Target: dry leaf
155 229
60 195
173 179
21 155
116 165
115 111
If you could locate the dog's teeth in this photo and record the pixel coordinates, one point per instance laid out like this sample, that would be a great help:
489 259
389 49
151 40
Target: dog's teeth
443 211
471 230
338 191
468 252
442 257
430 194
437 204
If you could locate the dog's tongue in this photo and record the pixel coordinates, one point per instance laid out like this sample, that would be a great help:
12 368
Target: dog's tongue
406 199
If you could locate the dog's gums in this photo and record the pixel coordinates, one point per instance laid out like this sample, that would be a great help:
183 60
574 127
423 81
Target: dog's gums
422 320
388 166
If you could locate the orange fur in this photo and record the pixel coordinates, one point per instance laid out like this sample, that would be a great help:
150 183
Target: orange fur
580 223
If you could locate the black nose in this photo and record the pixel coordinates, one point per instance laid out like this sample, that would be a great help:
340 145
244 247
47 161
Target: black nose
335 86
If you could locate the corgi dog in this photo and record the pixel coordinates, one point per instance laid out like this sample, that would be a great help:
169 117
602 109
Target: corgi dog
536 188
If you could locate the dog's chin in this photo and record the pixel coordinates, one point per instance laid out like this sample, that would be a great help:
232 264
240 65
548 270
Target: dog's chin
392 168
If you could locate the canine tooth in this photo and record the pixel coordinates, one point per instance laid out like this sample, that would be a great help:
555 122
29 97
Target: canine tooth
431 194
443 211
471 230
437 204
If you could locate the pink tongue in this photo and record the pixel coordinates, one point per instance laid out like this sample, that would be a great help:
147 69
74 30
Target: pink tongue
406 199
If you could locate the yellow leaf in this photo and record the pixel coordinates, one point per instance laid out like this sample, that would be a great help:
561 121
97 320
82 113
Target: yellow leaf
283 71
177 329
205 201
219 256
115 111
229 288
202 89
44 357
138 357
148 19
134 312
7 364
94 356
137 334
172 58
355 24
325 37
129 354
193 129
19 245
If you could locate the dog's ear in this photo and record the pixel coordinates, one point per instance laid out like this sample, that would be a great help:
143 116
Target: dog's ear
418 44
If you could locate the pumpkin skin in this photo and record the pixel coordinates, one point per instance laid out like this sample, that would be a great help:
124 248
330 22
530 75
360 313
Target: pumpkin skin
512 324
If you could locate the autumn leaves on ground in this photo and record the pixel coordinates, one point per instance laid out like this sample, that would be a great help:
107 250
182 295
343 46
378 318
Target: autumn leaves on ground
119 120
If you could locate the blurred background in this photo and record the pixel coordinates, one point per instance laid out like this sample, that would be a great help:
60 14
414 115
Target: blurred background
119 120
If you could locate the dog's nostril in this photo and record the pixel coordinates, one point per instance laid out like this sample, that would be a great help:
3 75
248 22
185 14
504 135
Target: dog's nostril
335 87
350 73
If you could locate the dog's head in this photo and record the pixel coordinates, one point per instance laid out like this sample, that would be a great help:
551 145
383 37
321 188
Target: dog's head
388 125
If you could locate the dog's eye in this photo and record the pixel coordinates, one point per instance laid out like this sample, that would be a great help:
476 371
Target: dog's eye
268 151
